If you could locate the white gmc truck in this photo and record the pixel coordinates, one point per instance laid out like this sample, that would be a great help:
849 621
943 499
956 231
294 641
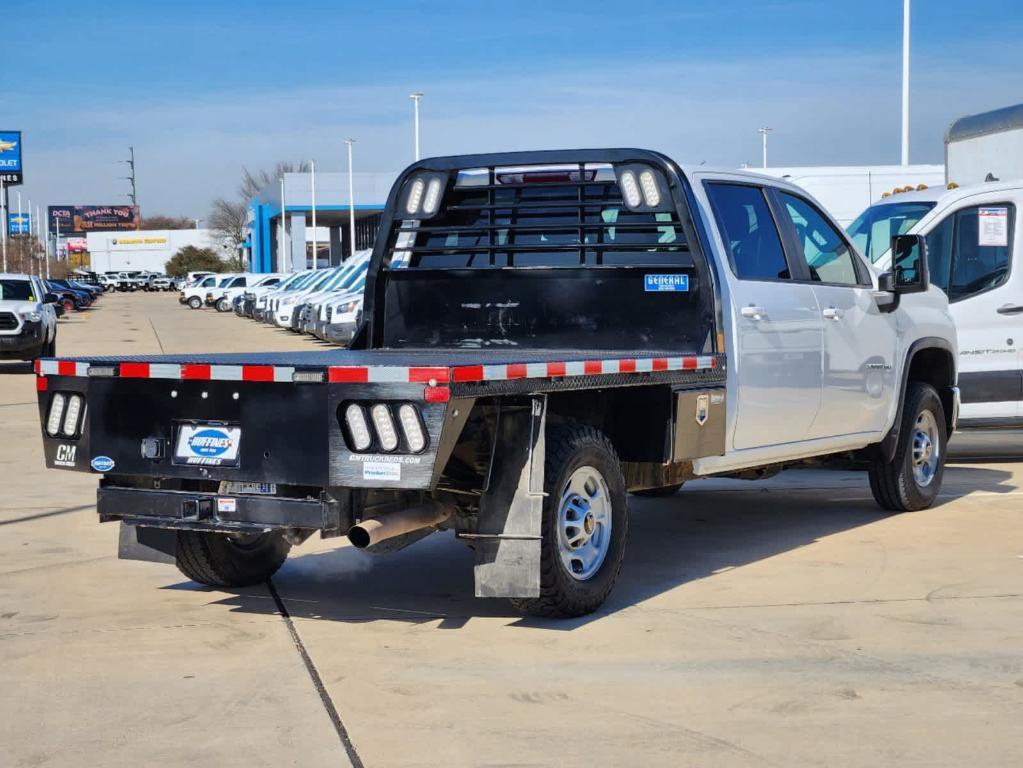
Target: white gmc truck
543 333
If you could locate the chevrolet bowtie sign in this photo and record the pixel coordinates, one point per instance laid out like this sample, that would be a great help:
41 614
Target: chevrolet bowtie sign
10 157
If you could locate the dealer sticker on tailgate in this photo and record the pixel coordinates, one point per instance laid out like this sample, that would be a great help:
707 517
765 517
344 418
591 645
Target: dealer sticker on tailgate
208 445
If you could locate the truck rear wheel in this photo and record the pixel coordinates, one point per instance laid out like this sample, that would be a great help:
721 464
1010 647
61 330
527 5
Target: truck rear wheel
912 479
585 523
230 560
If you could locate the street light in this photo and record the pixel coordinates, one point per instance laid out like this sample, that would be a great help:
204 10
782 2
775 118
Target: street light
312 192
415 111
764 131
351 198
905 82
197 223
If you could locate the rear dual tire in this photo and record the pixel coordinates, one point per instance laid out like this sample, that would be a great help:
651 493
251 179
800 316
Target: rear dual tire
222 560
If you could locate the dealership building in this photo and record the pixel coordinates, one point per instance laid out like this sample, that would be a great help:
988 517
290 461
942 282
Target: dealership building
147 250
281 235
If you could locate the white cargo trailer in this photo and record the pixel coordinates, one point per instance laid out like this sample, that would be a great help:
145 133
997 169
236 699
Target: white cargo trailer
985 147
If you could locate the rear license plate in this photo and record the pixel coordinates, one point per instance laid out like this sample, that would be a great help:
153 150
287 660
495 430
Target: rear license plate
231 488
207 445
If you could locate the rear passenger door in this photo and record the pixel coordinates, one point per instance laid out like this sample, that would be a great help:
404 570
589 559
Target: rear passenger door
970 254
776 323
858 365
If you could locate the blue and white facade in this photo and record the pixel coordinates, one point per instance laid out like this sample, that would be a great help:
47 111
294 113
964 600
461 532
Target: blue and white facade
265 251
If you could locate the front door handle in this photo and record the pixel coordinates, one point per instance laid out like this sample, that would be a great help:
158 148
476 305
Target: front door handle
756 313
832 313
1010 309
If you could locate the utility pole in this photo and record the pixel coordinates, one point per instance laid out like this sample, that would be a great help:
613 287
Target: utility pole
763 132
905 82
351 198
415 111
312 184
131 177
3 220
282 249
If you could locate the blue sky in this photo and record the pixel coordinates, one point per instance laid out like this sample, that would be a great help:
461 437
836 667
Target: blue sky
202 89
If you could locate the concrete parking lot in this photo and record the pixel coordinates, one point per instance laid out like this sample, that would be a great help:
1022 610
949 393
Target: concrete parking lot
781 623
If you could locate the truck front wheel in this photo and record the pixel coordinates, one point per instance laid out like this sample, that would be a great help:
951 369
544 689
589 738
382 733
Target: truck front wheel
195 302
585 523
912 479
230 560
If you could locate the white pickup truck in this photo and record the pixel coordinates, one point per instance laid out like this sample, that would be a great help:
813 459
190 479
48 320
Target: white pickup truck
543 332
973 237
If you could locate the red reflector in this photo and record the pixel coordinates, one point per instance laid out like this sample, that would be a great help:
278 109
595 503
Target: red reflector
66 368
436 394
41 384
627 366
659 364
348 374
591 367
555 369
134 371
516 371
423 375
257 373
195 371
467 373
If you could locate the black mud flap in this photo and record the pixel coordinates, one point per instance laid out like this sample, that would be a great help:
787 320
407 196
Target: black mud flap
511 510
153 545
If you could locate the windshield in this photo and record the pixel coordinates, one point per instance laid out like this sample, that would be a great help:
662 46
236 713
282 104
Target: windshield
16 290
224 282
873 229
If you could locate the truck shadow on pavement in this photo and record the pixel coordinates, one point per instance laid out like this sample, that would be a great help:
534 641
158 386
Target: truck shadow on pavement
707 528
12 367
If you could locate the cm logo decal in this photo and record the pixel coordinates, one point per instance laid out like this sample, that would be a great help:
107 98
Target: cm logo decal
209 443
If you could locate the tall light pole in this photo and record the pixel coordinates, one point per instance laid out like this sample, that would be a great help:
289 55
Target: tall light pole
3 220
905 82
312 185
351 198
197 223
283 248
763 132
415 112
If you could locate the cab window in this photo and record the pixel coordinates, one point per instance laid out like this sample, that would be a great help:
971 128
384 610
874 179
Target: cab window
749 232
828 258
983 245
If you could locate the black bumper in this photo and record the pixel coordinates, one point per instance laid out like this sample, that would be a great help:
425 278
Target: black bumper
32 335
184 510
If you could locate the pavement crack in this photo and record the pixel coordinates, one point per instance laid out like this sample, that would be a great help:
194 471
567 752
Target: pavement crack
157 335
321 689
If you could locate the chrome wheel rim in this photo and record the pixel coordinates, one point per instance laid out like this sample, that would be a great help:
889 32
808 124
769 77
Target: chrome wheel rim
926 448
584 523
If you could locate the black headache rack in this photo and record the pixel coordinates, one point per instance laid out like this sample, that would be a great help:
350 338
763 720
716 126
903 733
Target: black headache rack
542 250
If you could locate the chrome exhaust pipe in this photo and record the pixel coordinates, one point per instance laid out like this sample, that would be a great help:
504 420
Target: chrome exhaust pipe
378 529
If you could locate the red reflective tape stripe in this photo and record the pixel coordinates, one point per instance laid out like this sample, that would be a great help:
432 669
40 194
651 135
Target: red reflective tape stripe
467 373
592 366
37 367
516 371
134 371
257 373
348 375
659 364
195 371
626 366
713 362
689 362
555 369
41 384
423 375
66 368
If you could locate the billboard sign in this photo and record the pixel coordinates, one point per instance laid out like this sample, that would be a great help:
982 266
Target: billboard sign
79 219
19 224
10 157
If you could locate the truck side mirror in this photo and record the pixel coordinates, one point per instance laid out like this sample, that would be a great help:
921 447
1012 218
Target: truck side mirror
50 298
909 265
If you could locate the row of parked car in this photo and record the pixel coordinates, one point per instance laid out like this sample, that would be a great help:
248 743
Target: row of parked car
29 308
325 303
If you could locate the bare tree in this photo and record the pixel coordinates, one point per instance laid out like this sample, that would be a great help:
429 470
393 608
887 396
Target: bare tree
253 182
228 221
